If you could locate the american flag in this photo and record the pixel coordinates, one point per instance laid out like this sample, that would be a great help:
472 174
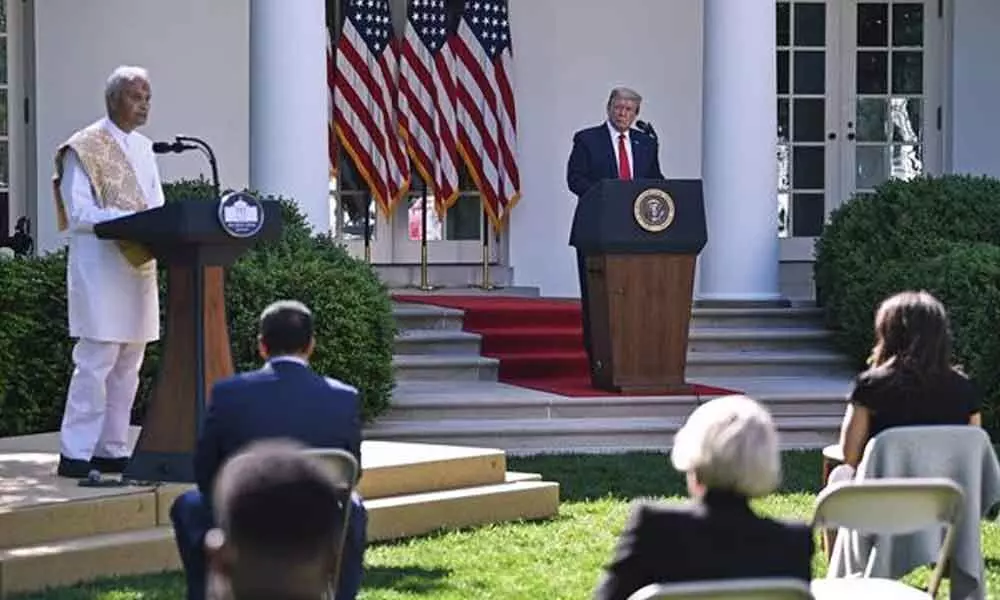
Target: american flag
331 77
487 123
427 98
365 115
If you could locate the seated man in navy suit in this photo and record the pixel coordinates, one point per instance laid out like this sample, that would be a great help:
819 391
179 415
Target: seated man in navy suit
284 399
612 150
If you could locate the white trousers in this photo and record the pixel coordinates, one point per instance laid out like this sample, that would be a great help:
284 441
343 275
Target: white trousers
99 403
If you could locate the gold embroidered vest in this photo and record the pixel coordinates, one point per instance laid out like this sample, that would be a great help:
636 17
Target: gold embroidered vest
112 181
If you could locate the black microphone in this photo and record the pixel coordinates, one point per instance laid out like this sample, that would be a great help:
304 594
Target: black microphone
182 143
168 147
646 127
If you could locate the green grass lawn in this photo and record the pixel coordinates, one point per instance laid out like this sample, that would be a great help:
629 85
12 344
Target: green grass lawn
555 559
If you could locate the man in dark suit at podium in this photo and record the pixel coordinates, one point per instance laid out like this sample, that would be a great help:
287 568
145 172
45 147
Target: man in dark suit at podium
284 399
612 150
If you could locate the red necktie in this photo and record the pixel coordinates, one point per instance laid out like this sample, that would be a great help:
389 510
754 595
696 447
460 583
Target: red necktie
624 171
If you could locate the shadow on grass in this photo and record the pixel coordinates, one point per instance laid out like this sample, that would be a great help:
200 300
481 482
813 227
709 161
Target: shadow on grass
406 580
645 474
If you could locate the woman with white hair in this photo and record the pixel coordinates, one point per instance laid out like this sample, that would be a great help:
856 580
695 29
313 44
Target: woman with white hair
728 448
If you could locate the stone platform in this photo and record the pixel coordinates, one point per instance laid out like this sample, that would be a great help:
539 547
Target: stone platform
55 533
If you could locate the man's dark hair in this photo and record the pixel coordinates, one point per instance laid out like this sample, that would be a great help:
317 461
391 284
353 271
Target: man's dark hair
286 327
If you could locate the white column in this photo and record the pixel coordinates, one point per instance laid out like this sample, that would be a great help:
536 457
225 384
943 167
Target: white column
288 104
739 170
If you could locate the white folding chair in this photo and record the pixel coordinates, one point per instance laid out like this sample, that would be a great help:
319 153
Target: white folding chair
891 506
345 468
775 588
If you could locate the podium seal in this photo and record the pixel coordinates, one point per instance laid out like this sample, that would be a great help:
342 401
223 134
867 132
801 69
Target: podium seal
241 214
654 210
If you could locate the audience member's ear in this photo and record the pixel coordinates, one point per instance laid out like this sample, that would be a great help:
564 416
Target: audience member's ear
219 555
261 348
311 346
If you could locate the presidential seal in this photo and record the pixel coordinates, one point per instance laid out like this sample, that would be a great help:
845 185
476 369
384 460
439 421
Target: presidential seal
654 210
241 214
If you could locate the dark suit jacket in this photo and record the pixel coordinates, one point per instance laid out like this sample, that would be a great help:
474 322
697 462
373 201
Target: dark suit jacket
718 538
593 158
284 399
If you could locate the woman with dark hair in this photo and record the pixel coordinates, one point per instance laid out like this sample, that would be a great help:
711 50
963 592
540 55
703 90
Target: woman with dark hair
911 379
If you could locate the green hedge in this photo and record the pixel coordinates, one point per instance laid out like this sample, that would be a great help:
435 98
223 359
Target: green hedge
354 323
939 234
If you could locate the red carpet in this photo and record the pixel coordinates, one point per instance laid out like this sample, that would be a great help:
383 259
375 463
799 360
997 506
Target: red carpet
539 342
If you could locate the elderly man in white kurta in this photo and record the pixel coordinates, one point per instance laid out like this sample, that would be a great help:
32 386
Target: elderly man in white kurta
105 171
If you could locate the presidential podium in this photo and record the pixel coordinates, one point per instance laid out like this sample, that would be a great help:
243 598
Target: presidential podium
640 239
189 239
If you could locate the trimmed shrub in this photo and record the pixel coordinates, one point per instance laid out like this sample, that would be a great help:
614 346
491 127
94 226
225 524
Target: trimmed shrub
352 309
938 234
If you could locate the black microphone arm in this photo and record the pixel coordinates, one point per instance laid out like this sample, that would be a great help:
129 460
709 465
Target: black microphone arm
646 127
207 150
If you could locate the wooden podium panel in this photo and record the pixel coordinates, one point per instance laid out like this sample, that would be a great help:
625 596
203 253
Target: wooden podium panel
640 314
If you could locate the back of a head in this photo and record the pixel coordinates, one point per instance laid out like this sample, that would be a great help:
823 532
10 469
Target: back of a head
282 513
286 327
912 333
730 444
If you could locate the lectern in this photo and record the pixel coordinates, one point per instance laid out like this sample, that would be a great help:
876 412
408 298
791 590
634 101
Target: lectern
190 239
640 239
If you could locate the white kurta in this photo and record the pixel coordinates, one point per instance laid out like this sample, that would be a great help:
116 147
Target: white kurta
109 299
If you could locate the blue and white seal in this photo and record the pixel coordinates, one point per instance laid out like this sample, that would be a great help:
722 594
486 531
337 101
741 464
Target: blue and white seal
241 214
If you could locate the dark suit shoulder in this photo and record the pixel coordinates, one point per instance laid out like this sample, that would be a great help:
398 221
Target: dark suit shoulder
340 386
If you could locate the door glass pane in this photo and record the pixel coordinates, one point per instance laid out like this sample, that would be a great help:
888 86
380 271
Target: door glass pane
873 121
4 164
873 72
907 161
782 21
809 167
4 129
464 219
3 58
809 212
873 24
907 72
783 134
906 115
810 24
908 24
784 75
872 166
415 219
3 17
809 72
810 120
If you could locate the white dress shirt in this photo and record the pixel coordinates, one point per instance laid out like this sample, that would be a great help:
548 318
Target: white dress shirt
628 148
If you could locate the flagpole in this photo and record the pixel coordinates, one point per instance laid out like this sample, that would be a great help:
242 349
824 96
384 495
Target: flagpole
368 231
485 280
424 284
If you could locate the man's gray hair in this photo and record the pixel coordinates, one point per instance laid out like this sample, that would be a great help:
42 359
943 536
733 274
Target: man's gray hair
119 78
624 93
730 443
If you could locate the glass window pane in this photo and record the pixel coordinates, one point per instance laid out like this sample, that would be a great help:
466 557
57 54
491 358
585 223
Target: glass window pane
908 24
4 124
3 17
808 214
809 72
784 76
783 120
348 177
810 24
906 115
907 161
3 59
907 72
465 181
784 229
784 167
871 166
464 219
808 167
809 120
873 24
873 124
782 16
415 218
873 73
354 216
4 164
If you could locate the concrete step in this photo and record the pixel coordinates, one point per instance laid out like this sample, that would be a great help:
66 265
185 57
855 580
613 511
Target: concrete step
461 277
702 365
765 318
438 342
425 316
457 367
585 435
749 339
70 561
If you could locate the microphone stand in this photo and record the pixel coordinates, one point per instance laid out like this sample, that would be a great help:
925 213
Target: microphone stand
207 151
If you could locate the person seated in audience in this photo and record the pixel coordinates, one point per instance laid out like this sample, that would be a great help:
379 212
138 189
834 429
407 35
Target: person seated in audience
911 379
728 449
280 516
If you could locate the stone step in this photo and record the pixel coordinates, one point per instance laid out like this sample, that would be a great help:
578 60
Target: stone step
765 318
438 342
456 367
464 278
425 316
702 365
70 561
530 436
748 339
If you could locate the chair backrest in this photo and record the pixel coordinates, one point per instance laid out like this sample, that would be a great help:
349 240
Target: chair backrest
891 506
728 589
346 469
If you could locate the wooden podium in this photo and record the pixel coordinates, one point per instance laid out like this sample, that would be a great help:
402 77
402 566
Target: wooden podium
641 239
188 239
